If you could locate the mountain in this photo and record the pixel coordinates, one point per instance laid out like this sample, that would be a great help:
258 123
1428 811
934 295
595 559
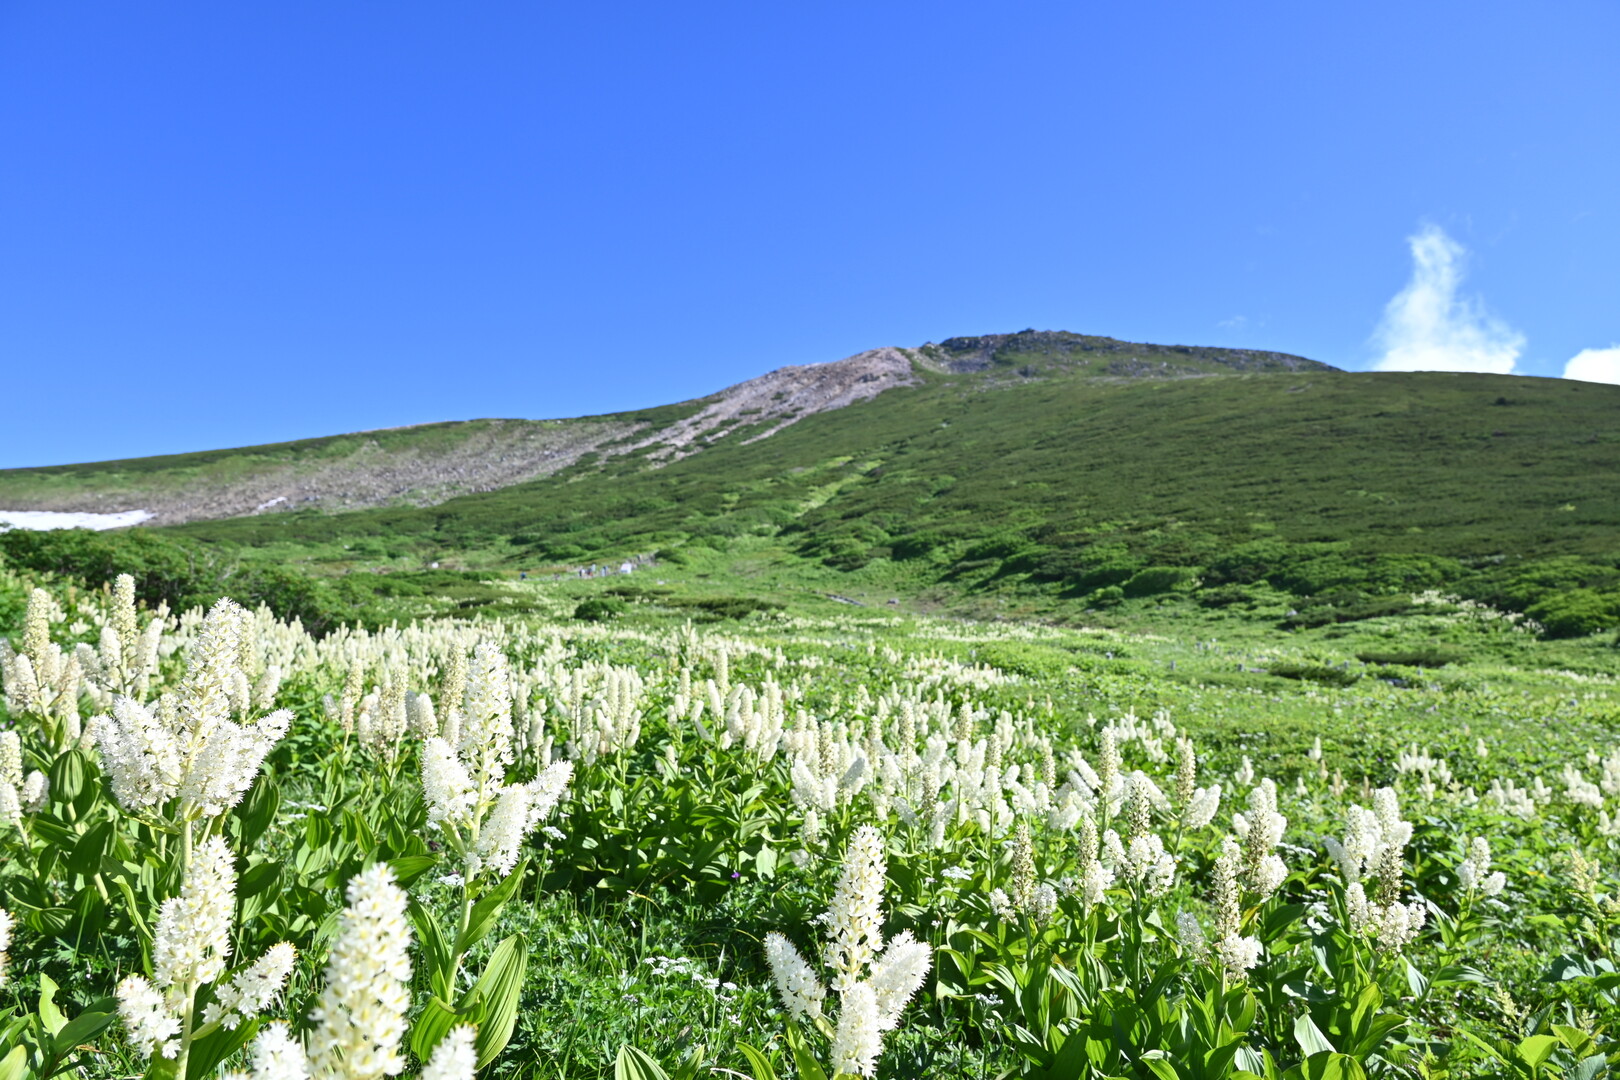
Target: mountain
426 464
1073 470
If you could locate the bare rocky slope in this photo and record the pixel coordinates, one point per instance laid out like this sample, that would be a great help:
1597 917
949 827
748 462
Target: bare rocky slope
428 464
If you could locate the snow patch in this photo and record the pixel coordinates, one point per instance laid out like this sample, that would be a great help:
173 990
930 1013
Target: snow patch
54 519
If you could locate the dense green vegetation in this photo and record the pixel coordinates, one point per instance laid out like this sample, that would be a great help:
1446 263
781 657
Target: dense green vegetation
631 929
1056 473
1345 491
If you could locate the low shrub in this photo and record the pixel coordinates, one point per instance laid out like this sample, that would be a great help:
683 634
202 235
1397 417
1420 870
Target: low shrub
1424 656
600 609
1316 673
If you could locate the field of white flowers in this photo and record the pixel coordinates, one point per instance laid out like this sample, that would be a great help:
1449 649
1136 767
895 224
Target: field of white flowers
813 848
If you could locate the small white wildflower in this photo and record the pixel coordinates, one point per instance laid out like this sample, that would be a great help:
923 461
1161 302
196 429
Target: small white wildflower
36 791
251 991
360 1016
802 993
1202 808
858 1038
278 1055
856 916
7 925
899 974
456 1056
1191 934
192 939
1237 954
149 1027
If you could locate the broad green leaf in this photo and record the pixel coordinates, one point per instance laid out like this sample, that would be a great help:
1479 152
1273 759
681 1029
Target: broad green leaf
258 879
633 1064
435 1022
1588 1068
14 1066
82 1028
256 813
85 858
500 986
435 952
1310 1037
803 1060
49 1014
1365 1009
408 868
487 910
1578 1041
210 1051
1161 1068
68 774
757 1061
1416 981
1379 1030
1327 1065
1535 1050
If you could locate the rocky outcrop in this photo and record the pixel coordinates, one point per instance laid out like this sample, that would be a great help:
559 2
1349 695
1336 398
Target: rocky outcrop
759 408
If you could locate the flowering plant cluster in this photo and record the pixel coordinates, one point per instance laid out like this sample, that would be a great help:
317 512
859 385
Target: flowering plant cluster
440 848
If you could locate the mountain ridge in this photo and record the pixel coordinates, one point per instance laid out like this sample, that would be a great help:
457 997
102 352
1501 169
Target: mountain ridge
427 464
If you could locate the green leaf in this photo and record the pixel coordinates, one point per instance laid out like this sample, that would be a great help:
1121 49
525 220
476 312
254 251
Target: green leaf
1161 1068
487 910
1589 1068
408 868
757 1061
85 858
1579 1042
1242 1018
632 1064
1365 1009
1416 982
49 1014
1379 1030
14 1066
82 1028
68 775
209 1051
435 1022
258 879
256 813
1535 1050
803 1060
435 952
1279 919
500 986
1310 1037
1327 1065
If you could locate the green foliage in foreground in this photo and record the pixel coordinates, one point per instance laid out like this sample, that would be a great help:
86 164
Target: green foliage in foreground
627 939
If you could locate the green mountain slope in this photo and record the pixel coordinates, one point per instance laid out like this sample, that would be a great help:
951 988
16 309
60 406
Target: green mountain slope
1081 471
429 463
1335 486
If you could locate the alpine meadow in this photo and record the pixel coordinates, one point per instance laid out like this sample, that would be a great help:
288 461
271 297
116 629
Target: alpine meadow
1028 705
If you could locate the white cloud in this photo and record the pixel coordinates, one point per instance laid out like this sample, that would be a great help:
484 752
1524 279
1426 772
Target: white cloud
1428 327
1236 322
1595 365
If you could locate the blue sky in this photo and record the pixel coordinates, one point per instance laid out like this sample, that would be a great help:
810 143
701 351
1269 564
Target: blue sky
226 224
